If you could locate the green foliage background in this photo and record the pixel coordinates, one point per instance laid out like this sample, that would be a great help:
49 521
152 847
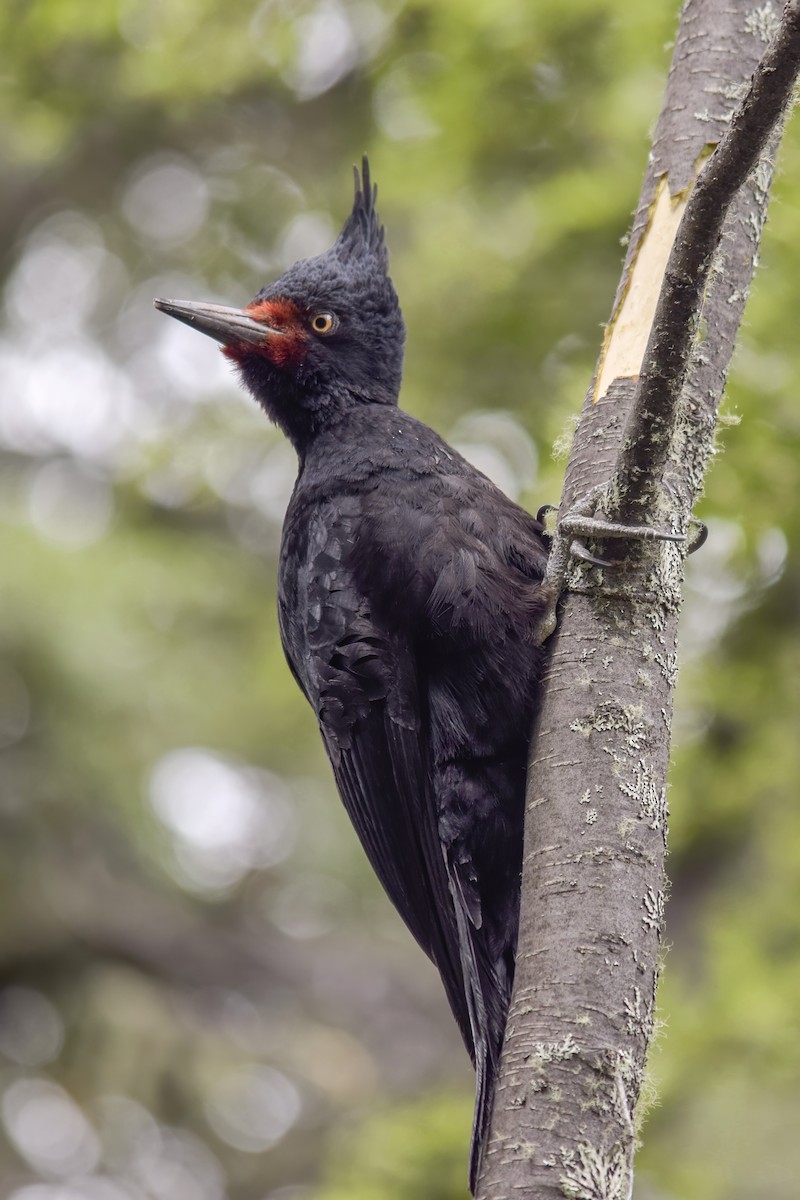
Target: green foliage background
202 992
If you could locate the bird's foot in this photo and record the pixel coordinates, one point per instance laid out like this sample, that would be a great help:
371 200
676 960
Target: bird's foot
698 536
585 521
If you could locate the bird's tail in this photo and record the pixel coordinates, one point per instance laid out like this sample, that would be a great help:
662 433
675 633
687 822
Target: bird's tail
487 1024
486 910
485 1072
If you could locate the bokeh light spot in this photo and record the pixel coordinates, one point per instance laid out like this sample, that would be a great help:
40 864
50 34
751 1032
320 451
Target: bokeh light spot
48 1129
166 201
225 818
327 50
253 1108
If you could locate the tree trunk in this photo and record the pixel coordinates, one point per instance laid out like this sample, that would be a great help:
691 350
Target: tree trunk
593 880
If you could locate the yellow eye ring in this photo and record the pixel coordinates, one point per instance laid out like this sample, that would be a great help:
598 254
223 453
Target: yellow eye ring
323 322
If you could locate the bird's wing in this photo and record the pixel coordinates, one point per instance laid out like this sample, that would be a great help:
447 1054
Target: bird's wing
407 759
360 678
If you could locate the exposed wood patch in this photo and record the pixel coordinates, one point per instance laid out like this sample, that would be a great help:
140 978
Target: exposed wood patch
629 329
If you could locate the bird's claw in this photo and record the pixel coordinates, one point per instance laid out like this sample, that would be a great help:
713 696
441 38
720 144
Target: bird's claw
590 526
567 544
599 529
700 537
578 550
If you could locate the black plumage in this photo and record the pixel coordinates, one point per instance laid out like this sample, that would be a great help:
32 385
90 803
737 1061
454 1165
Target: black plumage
409 589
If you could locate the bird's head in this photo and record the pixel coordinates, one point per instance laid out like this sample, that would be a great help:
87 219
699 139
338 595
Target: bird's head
326 335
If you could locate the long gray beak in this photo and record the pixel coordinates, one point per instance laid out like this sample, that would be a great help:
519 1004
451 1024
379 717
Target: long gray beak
227 325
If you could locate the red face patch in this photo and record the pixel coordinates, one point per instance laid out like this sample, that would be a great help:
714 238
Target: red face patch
287 346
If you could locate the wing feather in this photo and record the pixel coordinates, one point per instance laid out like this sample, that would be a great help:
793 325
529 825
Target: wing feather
402 759
382 781
361 681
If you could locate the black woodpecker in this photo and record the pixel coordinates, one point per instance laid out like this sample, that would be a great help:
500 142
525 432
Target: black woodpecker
409 590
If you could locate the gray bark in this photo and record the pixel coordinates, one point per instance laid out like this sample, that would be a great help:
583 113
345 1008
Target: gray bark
593 879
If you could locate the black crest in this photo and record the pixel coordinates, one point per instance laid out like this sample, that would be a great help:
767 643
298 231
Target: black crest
362 235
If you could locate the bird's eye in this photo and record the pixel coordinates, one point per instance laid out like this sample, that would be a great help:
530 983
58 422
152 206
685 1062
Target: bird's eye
323 322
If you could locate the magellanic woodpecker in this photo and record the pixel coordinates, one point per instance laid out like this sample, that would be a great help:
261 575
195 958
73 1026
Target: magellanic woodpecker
409 589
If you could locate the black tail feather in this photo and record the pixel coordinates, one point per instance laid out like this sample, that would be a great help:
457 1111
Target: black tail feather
485 1074
483 998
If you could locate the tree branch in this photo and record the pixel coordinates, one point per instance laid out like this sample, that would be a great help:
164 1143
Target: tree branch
593 889
653 413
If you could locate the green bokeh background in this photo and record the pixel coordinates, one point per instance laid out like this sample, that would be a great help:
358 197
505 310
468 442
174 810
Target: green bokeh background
203 994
